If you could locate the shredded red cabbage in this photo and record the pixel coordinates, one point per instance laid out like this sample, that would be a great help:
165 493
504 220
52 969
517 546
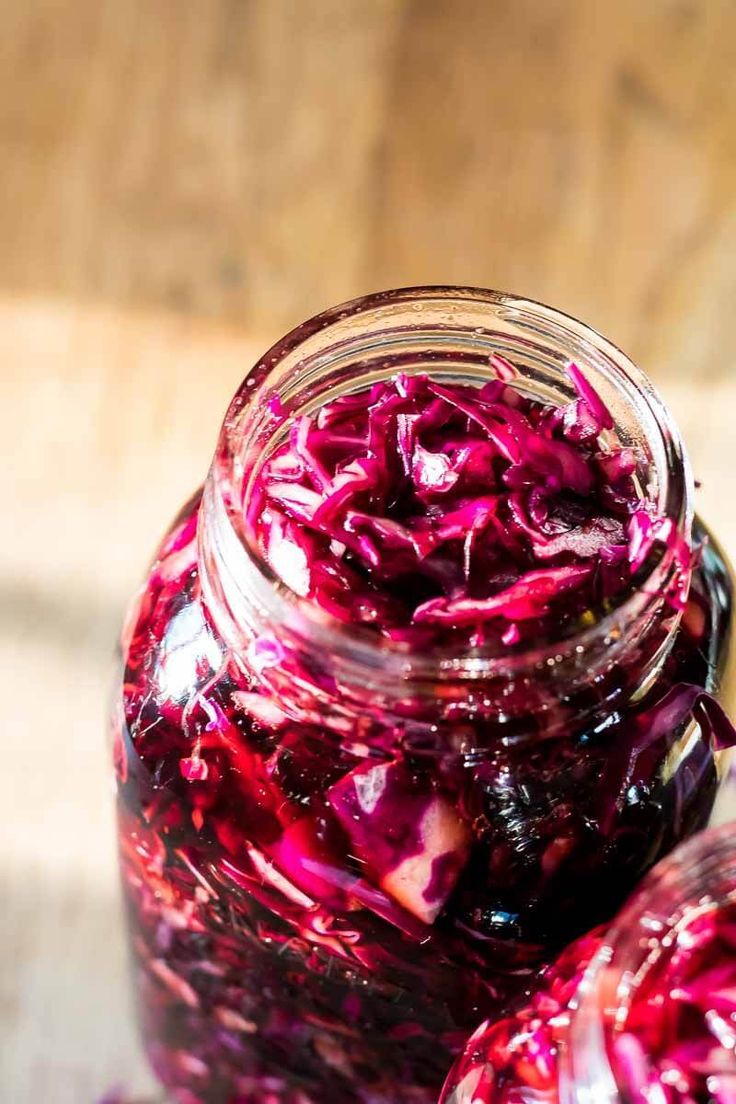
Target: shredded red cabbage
514 1060
676 1041
672 1040
424 510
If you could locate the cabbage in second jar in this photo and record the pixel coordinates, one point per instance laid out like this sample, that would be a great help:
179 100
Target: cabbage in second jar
415 691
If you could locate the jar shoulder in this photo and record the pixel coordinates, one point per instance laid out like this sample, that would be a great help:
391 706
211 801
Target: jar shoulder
166 629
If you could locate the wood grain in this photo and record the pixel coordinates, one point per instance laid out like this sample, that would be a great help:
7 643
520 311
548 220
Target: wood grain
257 161
181 182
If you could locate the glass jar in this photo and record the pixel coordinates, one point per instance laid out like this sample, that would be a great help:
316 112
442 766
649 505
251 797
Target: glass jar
643 1011
531 791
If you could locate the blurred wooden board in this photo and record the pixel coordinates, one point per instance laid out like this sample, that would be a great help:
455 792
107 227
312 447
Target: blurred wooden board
183 181
258 161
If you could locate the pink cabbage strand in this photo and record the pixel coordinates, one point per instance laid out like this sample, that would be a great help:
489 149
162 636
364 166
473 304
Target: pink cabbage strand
437 513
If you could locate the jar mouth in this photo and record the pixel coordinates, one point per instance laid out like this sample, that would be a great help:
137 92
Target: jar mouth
438 329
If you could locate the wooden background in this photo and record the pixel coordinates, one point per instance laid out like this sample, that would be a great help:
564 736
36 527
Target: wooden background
182 180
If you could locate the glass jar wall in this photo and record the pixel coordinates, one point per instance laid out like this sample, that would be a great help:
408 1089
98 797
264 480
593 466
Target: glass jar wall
339 854
642 1011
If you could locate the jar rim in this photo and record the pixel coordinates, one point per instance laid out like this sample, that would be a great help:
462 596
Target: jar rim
438 309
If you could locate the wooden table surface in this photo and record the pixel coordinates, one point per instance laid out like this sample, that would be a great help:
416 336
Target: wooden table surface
182 182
